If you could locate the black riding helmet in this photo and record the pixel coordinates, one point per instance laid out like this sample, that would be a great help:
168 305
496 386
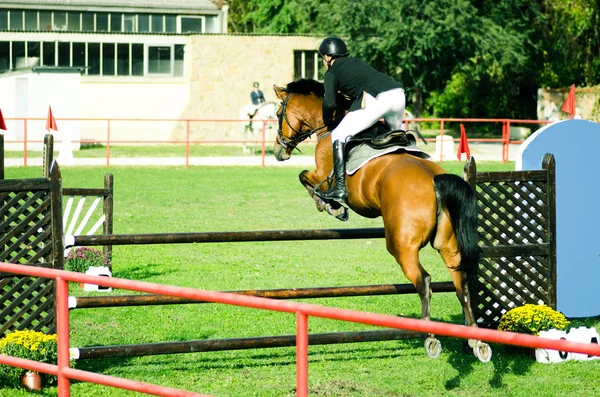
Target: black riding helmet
334 47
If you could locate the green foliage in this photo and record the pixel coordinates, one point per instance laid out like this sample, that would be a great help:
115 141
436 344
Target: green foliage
500 51
531 319
79 259
570 41
31 345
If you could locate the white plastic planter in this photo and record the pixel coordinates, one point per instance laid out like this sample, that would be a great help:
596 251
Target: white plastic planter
581 335
97 271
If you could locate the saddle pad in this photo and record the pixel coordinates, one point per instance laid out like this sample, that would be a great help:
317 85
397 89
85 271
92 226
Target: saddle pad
363 153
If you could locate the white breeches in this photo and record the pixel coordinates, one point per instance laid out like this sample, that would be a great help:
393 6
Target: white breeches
388 105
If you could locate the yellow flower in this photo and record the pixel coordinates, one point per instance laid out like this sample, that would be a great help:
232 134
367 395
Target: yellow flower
532 319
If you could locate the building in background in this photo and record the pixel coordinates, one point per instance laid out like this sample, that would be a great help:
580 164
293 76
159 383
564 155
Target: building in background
159 59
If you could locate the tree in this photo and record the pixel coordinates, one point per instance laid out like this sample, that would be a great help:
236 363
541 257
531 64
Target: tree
570 38
456 58
425 43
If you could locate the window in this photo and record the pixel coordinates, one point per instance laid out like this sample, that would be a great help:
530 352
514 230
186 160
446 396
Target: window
98 59
79 55
101 22
16 20
33 53
123 59
4 56
158 25
73 20
3 19
18 54
143 23
137 59
60 20
307 65
48 54
31 21
93 59
178 65
192 24
64 54
45 20
108 59
115 22
159 60
129 23
87 21
170 23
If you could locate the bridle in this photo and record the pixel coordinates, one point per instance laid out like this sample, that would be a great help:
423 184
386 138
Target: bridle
300 136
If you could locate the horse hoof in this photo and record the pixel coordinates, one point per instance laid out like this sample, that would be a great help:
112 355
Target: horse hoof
483 352
343 214
433 347
340 213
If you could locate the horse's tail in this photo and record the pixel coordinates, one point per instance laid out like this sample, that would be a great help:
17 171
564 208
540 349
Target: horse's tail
456 196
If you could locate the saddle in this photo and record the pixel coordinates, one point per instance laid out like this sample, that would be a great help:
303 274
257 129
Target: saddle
380 137
377 141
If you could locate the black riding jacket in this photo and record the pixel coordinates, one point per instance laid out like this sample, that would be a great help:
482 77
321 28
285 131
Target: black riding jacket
352 77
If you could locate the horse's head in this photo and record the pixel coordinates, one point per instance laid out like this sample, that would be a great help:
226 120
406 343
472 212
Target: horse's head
299 115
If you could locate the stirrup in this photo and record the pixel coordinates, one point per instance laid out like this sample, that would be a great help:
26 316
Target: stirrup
334 194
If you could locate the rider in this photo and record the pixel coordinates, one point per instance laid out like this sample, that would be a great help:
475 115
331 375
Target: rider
257 98
374 95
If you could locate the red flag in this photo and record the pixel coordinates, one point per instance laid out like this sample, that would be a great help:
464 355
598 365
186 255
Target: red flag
2 123
50 122
463 146
569 105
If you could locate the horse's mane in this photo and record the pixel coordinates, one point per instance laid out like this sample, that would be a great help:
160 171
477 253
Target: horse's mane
306 87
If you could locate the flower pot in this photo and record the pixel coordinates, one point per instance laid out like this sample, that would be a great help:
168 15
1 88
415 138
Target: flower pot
32 381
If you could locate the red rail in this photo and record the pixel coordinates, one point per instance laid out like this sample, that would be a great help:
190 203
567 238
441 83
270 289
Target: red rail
504 139
301 310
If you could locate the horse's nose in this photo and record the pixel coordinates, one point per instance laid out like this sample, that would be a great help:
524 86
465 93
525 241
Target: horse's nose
280 154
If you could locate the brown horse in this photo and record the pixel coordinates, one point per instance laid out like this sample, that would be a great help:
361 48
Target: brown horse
419 202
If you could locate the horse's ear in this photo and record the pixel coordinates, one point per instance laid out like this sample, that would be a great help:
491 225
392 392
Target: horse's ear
279 91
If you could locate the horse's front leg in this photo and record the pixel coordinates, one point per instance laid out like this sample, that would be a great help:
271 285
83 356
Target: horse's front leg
310 179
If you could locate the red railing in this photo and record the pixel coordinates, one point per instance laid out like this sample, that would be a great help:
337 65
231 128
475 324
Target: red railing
301 310
109 141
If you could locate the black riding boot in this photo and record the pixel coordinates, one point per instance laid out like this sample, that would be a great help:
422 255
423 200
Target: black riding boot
338 190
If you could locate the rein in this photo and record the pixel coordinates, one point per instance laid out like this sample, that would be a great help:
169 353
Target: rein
300 136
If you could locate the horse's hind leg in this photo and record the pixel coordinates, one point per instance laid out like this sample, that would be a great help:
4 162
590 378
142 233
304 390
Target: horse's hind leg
451 258
408 259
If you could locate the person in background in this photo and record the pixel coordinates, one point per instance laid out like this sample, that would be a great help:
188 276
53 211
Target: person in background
374 95
256 95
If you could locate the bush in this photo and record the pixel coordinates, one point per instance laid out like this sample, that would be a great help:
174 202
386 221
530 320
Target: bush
531 319
31 345
80 259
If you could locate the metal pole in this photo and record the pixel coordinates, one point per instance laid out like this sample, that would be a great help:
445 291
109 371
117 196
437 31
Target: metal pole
108 143
87 302
301 354
187 143
261 342
25 142
228 237
62 330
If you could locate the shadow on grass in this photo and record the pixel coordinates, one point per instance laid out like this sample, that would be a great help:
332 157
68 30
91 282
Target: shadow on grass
505 359
144 272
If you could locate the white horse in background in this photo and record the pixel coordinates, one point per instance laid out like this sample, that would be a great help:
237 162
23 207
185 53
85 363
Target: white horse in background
253 117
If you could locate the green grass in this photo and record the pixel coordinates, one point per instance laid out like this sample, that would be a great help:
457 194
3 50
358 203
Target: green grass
175 199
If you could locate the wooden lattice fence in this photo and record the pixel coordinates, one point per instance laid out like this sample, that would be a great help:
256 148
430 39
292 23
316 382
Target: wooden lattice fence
30 220
517 231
